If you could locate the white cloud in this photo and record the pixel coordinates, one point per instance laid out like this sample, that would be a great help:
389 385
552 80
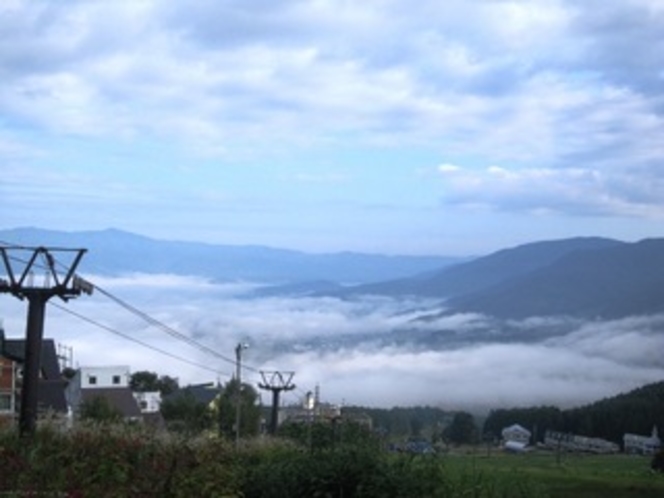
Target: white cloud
574 191
336 344
193 73
550 90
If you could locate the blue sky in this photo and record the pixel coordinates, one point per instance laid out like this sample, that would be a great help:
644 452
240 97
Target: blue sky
456 127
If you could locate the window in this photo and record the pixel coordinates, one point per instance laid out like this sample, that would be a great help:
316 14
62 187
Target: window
116 379
5 402
92 380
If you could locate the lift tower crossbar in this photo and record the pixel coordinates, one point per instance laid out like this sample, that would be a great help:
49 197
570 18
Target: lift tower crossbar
276 382
20 282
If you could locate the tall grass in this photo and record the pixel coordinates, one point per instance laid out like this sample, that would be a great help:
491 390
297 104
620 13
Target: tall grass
129 461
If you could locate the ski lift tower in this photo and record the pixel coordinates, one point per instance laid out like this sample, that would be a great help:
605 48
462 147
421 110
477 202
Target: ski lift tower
20 280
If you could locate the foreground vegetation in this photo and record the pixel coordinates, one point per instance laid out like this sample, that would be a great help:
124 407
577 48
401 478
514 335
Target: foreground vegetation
573 475
127 461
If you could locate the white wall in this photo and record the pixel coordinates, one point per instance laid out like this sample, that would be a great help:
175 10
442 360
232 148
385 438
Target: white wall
104 377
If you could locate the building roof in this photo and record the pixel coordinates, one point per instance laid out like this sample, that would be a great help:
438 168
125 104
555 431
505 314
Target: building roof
50 367
202 393
51 395
51 387
516 428
120 398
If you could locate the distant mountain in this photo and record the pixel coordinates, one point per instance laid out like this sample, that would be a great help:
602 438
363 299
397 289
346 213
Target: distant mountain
579 277
115 252
610 282
485 272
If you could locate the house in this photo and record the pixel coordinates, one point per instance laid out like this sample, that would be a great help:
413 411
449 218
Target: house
110 383
318 412
149 403
642 445
51 384
205 394
516 434
8 391
515 447
198 401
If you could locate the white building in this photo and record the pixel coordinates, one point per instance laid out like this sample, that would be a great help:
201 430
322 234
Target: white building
516 434
104 377
148 402
110 383
575 443
644 445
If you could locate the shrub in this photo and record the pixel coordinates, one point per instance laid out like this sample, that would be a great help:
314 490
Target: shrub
118 460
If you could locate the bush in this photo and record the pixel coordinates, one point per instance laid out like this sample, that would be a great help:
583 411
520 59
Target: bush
106 460
657 463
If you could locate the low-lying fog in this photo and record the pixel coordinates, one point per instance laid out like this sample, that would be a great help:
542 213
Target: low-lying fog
373 352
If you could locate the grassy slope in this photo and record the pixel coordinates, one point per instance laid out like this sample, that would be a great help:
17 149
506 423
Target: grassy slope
583 476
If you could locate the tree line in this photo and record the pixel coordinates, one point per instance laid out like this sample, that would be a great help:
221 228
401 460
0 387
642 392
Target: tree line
634 412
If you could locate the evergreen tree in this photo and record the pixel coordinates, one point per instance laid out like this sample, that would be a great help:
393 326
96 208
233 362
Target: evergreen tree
183 413
462 430
250 410
99 409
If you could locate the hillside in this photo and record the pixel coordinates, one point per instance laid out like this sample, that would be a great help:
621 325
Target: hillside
636 412
580 277
610 282
488 271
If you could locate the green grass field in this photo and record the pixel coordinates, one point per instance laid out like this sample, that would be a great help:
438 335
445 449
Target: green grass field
585 476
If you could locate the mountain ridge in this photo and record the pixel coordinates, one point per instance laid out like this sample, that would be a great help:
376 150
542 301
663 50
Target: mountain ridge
610 282
117 251
483 272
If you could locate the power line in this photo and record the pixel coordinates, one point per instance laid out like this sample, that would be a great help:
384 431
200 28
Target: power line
145 317
167 329
133 339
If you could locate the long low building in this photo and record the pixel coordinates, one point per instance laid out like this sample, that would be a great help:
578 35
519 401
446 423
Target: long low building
574 442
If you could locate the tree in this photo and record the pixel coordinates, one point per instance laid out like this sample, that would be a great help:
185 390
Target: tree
184 413
327 434
657 463
462 430
145 381
250 410
99 410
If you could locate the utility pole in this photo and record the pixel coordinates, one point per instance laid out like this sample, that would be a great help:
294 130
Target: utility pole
310 405
276 382
238 394
20 282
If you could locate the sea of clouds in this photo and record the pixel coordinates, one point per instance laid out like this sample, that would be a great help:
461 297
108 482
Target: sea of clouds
365 351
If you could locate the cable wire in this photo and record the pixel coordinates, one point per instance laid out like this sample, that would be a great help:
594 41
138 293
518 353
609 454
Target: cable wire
133 339
145 317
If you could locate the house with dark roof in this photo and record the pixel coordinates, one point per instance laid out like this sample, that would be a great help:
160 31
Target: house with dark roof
204 394
110 383
51 385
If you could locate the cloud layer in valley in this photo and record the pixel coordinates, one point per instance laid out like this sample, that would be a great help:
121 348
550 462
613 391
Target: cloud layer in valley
372 352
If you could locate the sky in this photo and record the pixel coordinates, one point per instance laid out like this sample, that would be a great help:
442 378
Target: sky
453 128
